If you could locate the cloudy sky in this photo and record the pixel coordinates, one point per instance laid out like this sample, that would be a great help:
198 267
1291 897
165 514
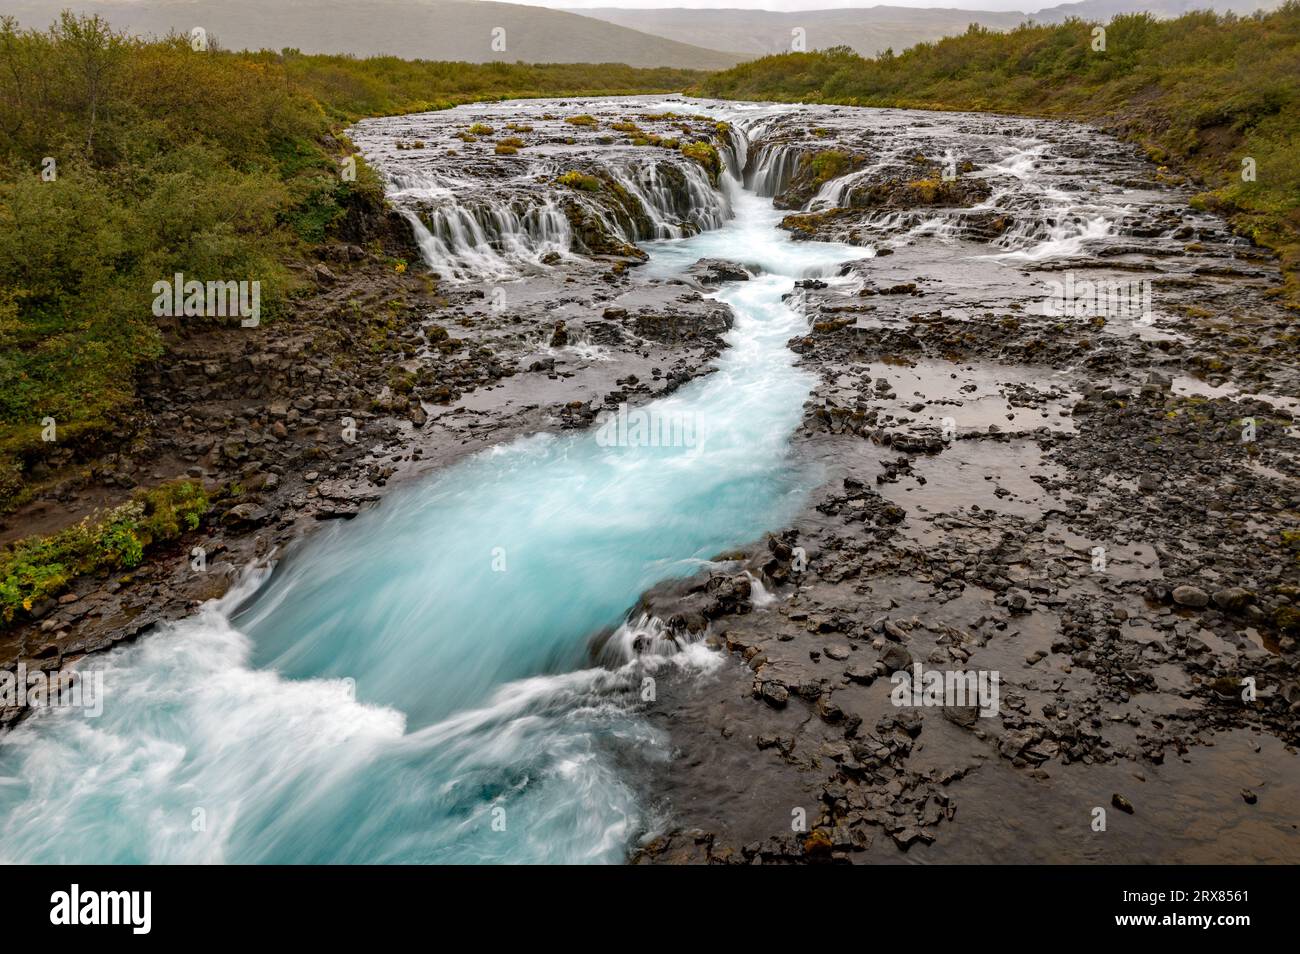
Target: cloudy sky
1026 6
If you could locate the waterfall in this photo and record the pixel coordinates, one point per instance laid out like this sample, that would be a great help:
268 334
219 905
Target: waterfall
466 232
771 167
490 239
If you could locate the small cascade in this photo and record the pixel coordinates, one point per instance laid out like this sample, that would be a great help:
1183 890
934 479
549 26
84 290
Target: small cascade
735 153
675 209
1056 234
771 168
644 639
759 595
489 239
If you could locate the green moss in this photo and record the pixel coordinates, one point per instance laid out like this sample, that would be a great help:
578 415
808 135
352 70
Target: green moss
1287 619
579 180
828 164
706 154
40 568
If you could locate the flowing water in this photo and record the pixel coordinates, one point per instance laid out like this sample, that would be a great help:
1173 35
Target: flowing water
417 685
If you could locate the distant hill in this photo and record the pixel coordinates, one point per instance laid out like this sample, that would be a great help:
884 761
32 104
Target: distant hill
870 30
413 29
704 39
1105 9
760 32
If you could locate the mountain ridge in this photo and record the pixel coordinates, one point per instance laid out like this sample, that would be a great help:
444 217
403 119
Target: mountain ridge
869 30
454 30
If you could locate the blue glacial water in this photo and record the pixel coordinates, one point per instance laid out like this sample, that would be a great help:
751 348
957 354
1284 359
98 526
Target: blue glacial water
417 685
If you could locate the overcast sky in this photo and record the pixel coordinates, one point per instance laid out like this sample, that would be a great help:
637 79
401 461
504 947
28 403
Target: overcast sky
1025 6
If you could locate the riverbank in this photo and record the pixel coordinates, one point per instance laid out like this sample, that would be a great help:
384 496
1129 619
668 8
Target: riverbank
180 158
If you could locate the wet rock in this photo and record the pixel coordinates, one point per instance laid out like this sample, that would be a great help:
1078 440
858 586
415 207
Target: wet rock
965 716
245 515
715 271
895 658
1233 599
1190 596
775 694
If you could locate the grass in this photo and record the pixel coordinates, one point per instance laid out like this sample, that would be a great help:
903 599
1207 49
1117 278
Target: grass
579 180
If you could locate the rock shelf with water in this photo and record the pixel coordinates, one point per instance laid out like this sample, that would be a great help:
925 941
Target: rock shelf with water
903 452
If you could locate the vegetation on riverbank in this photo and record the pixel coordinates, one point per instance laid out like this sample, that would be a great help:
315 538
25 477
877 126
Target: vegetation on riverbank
1205 93
124 162
38 569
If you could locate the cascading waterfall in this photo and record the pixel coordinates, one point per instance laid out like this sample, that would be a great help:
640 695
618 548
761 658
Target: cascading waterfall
671 214
490 241
511 232
415 685
772 167
1046 222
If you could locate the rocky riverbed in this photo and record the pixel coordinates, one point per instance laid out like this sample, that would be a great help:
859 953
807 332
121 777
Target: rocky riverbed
1100 508
1055 415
